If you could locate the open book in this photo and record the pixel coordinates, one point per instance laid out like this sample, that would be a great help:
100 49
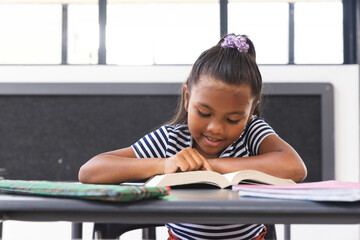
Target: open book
313 191
214 178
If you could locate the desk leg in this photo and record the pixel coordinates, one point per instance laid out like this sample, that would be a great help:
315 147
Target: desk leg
149 233
1 229
76 231
287 232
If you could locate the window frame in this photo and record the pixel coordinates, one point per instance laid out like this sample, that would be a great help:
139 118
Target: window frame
351 30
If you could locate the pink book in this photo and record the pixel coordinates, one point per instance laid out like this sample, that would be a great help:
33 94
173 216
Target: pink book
313 191
331 184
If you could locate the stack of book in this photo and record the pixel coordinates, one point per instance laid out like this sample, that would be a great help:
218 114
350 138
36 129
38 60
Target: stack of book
327 191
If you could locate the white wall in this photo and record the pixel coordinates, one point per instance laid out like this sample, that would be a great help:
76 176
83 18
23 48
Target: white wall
345 79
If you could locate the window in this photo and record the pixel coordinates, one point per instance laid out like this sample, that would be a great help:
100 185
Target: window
172 32
30 33
318 32
266 24
160 33
83 33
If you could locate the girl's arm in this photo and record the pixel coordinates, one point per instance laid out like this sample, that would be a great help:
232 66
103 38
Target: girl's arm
118 166
276 157
122 165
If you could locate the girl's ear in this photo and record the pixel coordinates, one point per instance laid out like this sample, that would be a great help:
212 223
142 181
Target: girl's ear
186 97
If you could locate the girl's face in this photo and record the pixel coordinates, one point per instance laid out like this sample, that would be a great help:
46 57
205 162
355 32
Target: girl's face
217 114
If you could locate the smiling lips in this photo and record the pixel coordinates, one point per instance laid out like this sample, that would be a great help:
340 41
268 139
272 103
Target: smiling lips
214 142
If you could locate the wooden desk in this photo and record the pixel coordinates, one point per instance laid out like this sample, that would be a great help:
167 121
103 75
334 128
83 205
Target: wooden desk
195 206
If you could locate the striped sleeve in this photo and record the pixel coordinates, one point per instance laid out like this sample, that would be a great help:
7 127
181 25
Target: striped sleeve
152 145
257 131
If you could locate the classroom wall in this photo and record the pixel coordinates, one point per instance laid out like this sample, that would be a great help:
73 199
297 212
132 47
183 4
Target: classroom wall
345 79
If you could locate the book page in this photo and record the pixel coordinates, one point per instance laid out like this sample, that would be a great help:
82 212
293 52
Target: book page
256 176
230 176
182 178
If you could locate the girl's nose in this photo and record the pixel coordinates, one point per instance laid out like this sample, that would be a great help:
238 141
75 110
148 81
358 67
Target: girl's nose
216 127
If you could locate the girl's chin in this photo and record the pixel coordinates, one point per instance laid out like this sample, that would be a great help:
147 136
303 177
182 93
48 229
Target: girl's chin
211 156
210 152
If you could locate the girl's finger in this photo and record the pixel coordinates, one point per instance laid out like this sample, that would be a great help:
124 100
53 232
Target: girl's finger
198 158
205 164
190 158
184 166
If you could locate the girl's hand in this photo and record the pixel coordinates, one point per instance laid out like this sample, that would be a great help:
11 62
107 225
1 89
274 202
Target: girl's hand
188 159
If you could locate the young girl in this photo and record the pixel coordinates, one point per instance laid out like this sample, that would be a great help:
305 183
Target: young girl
217 128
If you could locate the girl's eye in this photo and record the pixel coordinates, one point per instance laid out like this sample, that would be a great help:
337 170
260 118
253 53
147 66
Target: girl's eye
203 114
232 121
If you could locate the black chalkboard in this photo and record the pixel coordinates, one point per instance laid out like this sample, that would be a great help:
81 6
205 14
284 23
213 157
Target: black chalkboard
48 131
297 120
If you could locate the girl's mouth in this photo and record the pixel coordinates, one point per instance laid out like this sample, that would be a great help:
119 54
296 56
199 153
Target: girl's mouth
212 141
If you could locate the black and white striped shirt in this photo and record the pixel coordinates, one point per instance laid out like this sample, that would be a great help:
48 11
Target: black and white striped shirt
169 140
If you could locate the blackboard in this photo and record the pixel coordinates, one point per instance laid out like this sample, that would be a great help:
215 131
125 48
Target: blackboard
48 130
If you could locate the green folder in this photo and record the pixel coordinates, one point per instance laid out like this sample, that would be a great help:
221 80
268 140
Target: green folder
83 191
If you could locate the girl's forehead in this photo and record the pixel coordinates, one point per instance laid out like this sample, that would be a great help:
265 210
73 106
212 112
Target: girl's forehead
221 96
207 84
